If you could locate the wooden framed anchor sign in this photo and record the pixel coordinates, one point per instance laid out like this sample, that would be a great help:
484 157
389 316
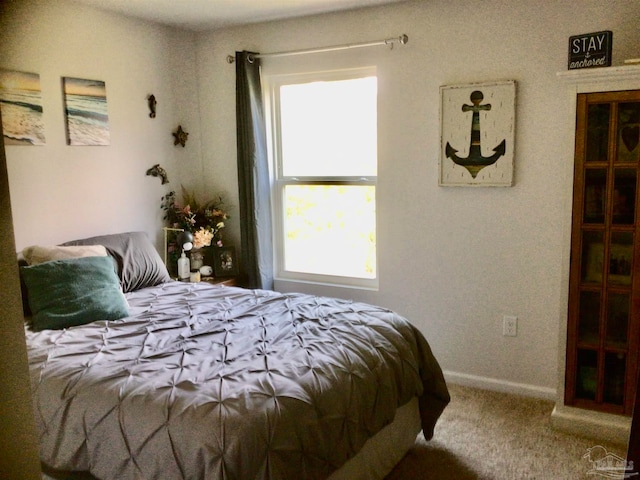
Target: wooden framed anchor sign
477 134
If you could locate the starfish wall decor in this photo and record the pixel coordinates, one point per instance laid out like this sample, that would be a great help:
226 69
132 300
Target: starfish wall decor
180 136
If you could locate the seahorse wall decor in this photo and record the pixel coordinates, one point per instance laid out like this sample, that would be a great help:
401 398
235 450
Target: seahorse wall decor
152 105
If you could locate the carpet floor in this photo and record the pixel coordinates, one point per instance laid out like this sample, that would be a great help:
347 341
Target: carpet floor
496 436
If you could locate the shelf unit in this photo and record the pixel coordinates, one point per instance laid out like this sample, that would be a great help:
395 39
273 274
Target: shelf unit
603 327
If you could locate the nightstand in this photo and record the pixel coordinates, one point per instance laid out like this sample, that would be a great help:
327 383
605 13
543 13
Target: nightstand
226 281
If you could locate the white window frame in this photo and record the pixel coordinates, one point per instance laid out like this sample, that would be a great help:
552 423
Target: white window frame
271 95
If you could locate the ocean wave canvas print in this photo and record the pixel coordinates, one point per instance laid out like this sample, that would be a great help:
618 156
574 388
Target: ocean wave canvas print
21 105
86 110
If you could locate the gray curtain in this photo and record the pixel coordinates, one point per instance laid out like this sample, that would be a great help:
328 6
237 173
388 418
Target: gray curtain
253 176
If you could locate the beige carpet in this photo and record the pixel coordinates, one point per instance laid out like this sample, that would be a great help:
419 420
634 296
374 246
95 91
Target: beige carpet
489 435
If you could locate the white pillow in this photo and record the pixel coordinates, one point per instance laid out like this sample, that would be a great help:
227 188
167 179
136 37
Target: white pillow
36 254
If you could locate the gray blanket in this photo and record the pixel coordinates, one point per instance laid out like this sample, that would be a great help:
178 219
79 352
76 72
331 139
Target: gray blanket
209 382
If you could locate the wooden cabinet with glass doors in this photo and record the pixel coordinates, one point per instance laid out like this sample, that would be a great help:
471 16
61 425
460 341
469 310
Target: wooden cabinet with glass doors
604 290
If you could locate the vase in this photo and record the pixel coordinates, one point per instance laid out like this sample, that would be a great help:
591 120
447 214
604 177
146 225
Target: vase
197 259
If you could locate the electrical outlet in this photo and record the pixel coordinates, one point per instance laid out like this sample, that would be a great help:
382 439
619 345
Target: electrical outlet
510 326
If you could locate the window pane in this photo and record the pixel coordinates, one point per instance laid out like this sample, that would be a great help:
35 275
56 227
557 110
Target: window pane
598 132
589 327
624 196
329 128
628 132
614 372
595 195
617 320
587 374
621 258
592 257
330 230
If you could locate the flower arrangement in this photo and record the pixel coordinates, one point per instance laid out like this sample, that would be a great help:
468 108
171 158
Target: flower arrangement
204 220
202 238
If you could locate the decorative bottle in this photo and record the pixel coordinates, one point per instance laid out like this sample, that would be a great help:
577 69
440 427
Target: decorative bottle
184 269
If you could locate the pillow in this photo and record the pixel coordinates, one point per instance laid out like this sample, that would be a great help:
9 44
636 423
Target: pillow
38 254
23 288
65 293
138 263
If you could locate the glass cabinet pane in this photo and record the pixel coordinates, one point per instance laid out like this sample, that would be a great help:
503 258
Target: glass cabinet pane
624 196
614 372
589 318
628 132
603 323
587 374
592 257
621 258
617 320
598 132
595 195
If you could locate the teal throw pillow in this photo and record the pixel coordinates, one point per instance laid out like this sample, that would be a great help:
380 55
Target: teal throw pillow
64 293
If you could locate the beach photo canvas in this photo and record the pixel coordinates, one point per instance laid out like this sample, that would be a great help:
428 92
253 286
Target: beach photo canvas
86 111
21 105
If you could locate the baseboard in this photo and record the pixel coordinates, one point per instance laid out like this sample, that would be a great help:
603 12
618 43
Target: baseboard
595 425
574 421
498 385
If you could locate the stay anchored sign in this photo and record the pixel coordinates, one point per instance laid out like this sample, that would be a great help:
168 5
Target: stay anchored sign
590 50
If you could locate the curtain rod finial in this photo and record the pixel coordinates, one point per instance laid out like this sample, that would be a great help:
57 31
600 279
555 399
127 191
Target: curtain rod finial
231 59
403 39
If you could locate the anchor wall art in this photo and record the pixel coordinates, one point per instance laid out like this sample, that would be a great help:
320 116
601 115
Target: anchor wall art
477 134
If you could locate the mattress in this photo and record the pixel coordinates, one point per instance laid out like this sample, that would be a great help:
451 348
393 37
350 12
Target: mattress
211 382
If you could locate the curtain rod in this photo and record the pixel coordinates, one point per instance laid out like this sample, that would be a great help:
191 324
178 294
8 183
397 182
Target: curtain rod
403 39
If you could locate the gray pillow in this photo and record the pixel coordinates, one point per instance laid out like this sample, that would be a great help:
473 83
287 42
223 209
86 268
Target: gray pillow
138 263
65 293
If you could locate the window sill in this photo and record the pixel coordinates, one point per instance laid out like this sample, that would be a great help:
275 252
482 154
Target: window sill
295 284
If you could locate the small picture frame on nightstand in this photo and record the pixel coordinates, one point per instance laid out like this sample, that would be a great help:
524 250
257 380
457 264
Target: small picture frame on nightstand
224 262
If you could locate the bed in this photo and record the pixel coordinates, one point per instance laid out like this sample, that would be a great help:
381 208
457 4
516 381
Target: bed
175 380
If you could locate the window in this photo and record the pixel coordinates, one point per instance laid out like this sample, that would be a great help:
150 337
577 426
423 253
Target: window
324 148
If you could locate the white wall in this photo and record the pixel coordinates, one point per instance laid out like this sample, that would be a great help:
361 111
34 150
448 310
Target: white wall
453 260
62 192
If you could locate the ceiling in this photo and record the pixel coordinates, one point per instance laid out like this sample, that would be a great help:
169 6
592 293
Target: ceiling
201 15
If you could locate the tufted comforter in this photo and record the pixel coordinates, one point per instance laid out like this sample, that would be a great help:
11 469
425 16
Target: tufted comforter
210 382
